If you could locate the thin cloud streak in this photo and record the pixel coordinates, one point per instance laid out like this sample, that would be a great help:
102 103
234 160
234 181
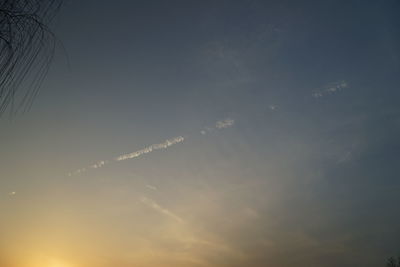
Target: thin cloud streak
330 89
154 205
138 153
149 149
222 124
152 187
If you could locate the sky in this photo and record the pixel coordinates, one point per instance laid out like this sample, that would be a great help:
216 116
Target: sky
209 134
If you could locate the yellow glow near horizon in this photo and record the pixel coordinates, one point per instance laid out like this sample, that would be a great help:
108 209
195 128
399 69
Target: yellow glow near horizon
58 263
49 262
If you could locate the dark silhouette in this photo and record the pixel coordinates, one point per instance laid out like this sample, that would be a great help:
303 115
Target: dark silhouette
392 262
26 50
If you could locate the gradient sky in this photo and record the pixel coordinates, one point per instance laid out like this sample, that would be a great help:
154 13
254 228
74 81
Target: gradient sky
286 121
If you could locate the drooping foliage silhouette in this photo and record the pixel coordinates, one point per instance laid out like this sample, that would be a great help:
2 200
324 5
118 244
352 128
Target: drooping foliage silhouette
392 262
26 50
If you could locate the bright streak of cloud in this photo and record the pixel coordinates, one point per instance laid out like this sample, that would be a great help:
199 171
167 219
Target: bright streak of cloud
132 155
224 124
99 164
330 89
149 149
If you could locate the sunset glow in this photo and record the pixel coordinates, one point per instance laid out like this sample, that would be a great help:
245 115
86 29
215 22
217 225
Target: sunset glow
201 134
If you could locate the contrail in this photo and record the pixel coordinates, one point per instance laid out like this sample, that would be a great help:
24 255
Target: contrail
330 89
148 149
167 143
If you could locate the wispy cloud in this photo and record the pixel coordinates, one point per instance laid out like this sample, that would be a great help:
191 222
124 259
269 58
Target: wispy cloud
154 205
78 171
224 124
152 187
330 89
99 164
273 107
149 149
167 143
164 145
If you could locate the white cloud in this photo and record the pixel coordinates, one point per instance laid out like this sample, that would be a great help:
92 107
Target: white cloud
149 149
78 171
330 89
135 154
224 124
218 125
167 143
99 164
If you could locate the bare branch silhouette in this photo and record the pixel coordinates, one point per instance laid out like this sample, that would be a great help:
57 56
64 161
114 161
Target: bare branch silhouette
26 49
